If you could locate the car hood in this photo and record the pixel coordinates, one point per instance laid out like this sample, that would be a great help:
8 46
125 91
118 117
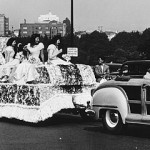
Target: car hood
132 82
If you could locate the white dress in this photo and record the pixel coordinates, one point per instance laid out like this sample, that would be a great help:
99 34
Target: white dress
9 51
26 70
35 53
52 50
6 68
24 73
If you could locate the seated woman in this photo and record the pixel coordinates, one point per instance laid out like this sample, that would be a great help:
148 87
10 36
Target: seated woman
12 59
10 50
24 73
53 52
35 47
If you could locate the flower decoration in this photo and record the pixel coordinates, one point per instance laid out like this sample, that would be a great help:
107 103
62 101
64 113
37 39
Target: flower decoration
33 60
66 57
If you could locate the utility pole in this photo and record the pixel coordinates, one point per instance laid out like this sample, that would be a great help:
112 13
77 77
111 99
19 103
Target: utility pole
12 32
72 41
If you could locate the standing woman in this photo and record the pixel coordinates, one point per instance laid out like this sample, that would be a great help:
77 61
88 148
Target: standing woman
35 48
53 52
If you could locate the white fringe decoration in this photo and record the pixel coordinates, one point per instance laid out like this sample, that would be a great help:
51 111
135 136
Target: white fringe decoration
37 113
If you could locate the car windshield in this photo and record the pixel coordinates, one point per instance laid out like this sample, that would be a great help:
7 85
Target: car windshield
114 67
135 69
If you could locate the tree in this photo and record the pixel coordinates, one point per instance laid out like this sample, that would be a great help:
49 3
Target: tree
119 55
96 44
144 47
129 42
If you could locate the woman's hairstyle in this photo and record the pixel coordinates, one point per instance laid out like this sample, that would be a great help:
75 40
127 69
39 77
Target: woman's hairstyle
55 38
25 53
19 47
10 41
32 39
102 57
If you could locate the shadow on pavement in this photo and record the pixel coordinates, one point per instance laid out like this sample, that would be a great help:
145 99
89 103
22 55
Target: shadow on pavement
132 130
141 131
57 119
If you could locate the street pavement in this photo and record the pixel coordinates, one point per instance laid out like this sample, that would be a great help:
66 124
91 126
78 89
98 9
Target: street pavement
69 132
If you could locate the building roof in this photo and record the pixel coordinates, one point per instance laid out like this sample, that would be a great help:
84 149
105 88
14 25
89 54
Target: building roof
48 17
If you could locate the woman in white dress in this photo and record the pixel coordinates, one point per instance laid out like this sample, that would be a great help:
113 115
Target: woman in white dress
10 50
35 48
25 72
11 59
53 53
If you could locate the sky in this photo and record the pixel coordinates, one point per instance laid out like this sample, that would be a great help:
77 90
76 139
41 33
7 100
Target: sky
89 15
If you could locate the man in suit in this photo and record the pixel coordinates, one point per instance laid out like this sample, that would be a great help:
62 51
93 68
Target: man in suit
101 70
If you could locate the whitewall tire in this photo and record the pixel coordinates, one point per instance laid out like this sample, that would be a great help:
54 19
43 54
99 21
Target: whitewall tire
112 121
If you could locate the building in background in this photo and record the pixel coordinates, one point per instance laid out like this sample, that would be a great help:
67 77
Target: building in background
47 18
47 25
4 25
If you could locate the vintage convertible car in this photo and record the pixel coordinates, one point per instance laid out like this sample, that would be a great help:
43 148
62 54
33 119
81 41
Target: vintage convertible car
123 100
59 87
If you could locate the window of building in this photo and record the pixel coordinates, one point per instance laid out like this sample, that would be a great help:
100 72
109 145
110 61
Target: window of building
24 32
24 27
40 32
47 32
46 27
53 23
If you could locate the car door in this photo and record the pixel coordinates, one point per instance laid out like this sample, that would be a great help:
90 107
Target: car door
135 103
146 108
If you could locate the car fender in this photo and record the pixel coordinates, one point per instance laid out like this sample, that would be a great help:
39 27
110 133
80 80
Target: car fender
111 98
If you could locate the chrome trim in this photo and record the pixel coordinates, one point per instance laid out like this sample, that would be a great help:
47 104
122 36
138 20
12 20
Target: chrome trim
108 106
137 122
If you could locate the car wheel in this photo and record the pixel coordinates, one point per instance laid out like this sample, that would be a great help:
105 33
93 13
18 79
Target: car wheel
112 121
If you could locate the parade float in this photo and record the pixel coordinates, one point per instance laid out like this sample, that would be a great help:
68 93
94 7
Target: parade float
58 87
